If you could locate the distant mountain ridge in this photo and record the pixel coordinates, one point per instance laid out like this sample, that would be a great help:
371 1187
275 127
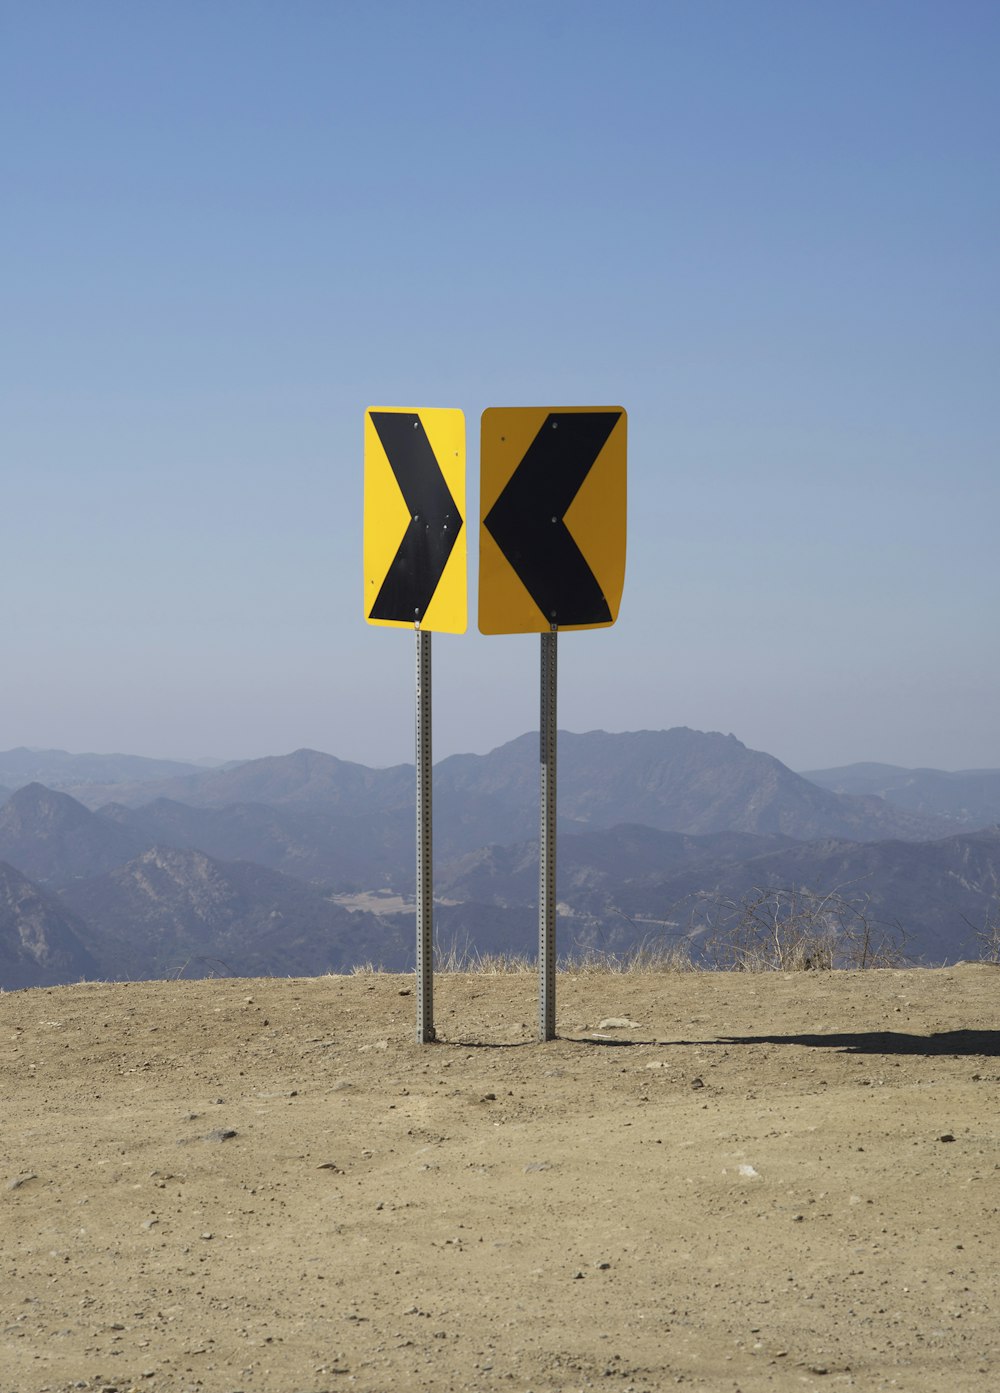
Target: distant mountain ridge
305 778
968 797
278 864
59 769
675 780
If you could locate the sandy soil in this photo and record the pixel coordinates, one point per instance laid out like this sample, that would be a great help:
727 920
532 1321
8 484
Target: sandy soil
762 1183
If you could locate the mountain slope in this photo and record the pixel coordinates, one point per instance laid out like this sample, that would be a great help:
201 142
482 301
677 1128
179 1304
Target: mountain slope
617 887
935 892
172 912
597 870
40 943
676 780
52 838
342 851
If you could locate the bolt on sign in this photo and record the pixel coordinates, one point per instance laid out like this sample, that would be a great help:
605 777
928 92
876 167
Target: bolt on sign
415 537
552 518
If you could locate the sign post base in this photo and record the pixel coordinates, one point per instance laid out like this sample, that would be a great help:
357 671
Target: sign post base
425 847
547 842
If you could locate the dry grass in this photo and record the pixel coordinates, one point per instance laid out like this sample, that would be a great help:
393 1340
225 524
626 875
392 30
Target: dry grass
646 957
643 958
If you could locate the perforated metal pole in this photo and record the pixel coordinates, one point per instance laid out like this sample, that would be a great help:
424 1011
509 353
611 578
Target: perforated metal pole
425 874
547 844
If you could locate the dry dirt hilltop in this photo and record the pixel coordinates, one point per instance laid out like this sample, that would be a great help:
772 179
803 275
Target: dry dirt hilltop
736 1182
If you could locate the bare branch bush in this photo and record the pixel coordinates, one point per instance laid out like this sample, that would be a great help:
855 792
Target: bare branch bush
794 930
988 933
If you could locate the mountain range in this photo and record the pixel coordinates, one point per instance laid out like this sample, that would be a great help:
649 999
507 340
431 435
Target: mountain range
619 887
948 800
59 769
966 798
296 863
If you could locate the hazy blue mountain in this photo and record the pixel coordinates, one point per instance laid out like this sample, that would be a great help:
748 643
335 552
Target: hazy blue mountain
936 892
620 886
128 794
305 779
60 770
342 851
171 911
52 838
234 872
598 870
968 797
40 943
676 780
176 912
861 778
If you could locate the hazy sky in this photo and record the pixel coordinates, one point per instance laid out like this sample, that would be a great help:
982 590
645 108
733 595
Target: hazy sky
769 230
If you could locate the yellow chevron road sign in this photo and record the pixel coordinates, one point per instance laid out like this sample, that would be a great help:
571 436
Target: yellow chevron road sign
552 518
415 547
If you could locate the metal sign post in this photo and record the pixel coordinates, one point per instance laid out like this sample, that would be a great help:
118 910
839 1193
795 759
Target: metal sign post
547 842
415 562
425 846
552 502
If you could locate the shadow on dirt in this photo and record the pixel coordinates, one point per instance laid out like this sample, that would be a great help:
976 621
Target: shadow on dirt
957 1043
954 1042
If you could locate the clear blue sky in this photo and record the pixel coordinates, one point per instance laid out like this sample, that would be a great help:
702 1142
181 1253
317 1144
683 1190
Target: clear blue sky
769 230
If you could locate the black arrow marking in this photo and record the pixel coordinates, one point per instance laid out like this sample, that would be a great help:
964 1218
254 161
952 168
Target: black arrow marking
526 521
435 521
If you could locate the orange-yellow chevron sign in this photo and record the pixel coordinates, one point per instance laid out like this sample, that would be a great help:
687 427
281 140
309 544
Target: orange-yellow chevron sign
415 536
552 517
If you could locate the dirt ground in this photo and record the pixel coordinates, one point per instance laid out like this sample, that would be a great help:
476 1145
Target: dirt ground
748 1183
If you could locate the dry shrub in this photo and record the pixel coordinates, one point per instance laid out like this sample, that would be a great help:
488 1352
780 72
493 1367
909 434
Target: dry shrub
794 930
766 930
988 933
465 958
649 956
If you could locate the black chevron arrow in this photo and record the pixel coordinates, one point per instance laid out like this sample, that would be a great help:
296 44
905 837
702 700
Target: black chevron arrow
434 524
526 521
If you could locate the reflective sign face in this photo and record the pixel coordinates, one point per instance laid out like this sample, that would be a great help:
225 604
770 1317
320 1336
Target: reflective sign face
415 536
552 518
